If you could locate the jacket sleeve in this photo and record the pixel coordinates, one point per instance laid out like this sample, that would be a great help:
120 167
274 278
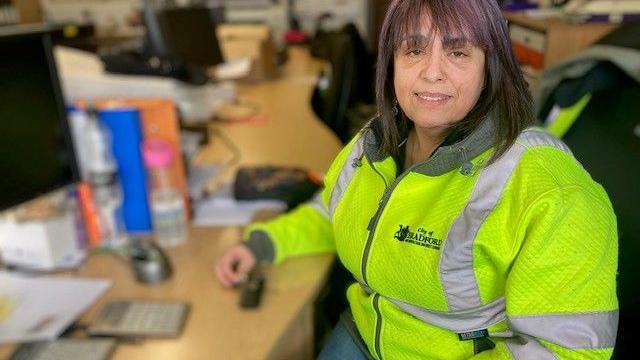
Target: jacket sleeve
561 290
305 230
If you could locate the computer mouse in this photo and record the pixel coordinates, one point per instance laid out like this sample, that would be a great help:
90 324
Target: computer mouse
150 264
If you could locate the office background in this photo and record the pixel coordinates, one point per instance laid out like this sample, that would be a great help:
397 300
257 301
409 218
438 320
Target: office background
250 101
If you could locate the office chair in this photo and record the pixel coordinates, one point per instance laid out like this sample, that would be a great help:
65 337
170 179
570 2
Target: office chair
348 80
605 138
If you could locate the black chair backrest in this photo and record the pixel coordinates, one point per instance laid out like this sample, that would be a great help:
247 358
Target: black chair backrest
606 141
347 80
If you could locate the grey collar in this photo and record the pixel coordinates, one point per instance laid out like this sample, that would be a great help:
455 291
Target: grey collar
446 158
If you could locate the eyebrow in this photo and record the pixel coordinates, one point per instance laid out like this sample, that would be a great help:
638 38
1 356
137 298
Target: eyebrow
421 40
455 42
415 40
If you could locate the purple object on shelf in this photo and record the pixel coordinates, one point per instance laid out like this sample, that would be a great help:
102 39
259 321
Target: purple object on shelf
518 5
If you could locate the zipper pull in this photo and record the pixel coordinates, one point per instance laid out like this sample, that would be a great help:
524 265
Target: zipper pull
357 162
370 223
375 215
467 166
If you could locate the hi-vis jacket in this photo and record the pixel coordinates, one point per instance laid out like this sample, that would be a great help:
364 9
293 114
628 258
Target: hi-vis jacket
521 251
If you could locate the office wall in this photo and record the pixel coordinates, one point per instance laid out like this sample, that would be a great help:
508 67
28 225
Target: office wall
29 11
105 14
342 11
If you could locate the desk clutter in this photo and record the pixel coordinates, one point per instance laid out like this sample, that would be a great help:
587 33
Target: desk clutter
118 320
254 189
140 319
133 203
41 308
37 309
68 349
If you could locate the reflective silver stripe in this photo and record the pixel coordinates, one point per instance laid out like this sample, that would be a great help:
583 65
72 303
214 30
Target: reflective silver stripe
456 261
533 137
317 204
345 176
457 321
526 347
595 330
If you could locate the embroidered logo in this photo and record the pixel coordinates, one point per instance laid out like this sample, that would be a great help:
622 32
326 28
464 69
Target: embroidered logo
420 237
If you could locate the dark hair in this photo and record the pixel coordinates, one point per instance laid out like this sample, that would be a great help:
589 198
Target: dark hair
506 92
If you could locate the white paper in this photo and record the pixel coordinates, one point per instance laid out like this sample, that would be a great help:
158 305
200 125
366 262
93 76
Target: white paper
43 307
228 211
234 69
222 209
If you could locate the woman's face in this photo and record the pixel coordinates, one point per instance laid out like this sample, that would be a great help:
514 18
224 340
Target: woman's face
437 80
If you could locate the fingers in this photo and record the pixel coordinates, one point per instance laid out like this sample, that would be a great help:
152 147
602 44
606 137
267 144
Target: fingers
233 266
225 280
245 265
226 271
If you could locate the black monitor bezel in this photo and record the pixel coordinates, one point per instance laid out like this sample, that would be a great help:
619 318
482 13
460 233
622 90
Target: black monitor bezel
44 33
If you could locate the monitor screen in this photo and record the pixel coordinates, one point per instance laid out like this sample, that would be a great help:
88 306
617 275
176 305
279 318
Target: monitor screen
190 34
36 155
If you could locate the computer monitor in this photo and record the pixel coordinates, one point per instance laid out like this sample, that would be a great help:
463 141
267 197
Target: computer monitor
189 34
36 152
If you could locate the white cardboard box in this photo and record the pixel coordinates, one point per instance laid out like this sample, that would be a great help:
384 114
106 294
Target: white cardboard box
39 245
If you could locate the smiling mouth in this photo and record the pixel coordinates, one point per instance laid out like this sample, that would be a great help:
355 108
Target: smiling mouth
432 98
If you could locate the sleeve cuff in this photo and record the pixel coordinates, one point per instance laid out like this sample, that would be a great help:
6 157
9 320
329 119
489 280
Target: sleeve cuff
261 246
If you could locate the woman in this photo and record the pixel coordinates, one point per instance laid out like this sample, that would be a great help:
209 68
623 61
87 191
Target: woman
468 233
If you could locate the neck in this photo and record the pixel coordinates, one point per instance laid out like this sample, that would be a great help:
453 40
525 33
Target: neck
422 142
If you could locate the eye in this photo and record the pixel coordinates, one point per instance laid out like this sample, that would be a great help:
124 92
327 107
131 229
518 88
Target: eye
414 52
459 54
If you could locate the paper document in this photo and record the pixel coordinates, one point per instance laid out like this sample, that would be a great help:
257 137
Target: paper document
229 212
222 209
41 308
234 69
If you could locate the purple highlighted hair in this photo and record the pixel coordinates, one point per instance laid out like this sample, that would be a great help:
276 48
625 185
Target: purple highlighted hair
479 22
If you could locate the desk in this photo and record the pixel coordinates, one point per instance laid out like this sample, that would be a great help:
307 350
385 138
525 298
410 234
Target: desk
216 328
292 135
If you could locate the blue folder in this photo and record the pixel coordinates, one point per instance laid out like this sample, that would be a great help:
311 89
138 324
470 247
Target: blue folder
126 133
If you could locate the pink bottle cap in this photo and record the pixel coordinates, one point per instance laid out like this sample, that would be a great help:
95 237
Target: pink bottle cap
157 153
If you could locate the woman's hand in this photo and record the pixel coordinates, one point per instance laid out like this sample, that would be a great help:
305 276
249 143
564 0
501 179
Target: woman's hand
234 265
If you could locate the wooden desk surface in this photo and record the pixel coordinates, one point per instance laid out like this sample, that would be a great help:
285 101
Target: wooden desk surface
216 327
291 135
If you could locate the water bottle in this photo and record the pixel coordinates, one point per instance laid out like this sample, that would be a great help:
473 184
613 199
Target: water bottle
102 173
167 205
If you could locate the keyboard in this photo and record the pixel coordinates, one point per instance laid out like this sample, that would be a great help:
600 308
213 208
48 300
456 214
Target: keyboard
66 349
140 319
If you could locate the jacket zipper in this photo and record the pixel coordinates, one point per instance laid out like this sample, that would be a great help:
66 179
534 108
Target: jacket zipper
378 329
371 226
367 248
374 220
373 223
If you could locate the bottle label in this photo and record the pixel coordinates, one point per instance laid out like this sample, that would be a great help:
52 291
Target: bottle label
103 178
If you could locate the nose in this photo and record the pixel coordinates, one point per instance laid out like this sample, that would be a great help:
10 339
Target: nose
432 69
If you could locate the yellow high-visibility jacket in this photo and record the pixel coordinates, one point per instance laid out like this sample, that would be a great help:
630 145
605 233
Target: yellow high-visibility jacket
458 250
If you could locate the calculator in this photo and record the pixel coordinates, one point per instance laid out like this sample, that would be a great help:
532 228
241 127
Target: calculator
139 318
66 349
